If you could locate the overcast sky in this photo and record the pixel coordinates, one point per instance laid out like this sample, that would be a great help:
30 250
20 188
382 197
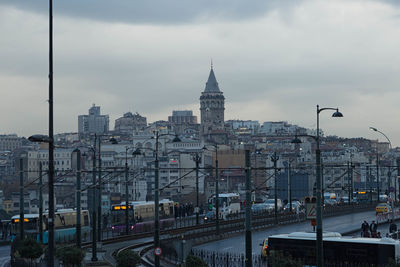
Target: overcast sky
274 61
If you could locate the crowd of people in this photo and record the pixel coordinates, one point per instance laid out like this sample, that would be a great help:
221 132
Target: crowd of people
371 230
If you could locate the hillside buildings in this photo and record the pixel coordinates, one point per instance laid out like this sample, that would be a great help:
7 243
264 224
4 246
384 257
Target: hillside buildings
94 122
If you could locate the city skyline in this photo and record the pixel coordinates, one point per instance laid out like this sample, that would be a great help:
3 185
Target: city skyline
274 62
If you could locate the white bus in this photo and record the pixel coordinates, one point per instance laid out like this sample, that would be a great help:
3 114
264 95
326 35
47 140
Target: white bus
229 203
338 250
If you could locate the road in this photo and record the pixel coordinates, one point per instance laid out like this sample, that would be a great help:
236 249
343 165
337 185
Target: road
341 224
5 256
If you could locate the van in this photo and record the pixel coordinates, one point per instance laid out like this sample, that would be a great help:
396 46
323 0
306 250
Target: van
270 204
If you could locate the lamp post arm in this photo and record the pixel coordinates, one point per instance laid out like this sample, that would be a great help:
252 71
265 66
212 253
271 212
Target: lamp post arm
322 109
390 143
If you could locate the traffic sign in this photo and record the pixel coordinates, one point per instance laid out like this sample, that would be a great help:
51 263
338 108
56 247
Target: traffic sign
311 208
157 251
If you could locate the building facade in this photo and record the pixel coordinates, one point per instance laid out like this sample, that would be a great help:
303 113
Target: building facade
130 123
93 123
212 110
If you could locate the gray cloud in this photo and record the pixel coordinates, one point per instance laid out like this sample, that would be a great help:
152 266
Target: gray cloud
273 61
152 11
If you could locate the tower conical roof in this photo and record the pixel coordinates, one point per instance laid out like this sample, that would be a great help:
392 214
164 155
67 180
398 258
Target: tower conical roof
212 84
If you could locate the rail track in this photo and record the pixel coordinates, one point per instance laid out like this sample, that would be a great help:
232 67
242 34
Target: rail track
232 225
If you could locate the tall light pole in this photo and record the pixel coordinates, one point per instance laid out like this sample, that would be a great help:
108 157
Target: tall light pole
40 203
156 198
51 246
99 198
377 156
197 159
275 159
49 139
216 189
94 219
249 258
21 198
320 255
76 159
135 153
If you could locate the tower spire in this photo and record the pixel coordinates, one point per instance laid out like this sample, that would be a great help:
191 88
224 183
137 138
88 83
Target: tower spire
211 64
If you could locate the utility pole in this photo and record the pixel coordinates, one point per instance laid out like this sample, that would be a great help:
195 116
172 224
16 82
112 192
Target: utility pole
126 194
197 158
290 187
40 204
377 172
351 180
94 235
156 206
249 258
99 230
78 198
21 198
275 159
398 173
51 246
348 182
216 191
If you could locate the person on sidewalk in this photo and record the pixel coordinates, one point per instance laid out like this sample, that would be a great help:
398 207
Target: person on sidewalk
393 229
373 227
364 229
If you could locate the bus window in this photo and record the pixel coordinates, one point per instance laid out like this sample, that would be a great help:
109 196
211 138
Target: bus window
85 220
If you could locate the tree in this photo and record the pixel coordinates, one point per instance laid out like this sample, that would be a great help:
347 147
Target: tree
70 256
394 263
193 261
128 258
29 249
279 259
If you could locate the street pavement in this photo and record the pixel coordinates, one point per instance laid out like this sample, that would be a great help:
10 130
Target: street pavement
5 256
342 224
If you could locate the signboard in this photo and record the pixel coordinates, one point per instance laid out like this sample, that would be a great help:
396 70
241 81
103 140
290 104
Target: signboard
311 211
311 208
158 251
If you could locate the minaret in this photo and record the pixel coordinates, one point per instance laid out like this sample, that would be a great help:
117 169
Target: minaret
212 107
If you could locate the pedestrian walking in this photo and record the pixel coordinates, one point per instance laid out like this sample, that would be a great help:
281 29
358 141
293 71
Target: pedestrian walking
364 229
393 229
373 227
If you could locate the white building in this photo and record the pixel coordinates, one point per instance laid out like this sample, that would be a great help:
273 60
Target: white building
93 122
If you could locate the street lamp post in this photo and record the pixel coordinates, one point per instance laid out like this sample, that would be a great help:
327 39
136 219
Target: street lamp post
216 190
49 139
320 255
99 204
135 153
249 261
21 198
94 219
275 159
156 199
197 159
76 159
377 158
51 246
40 203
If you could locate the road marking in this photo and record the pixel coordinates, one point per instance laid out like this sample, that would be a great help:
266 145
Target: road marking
4 261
